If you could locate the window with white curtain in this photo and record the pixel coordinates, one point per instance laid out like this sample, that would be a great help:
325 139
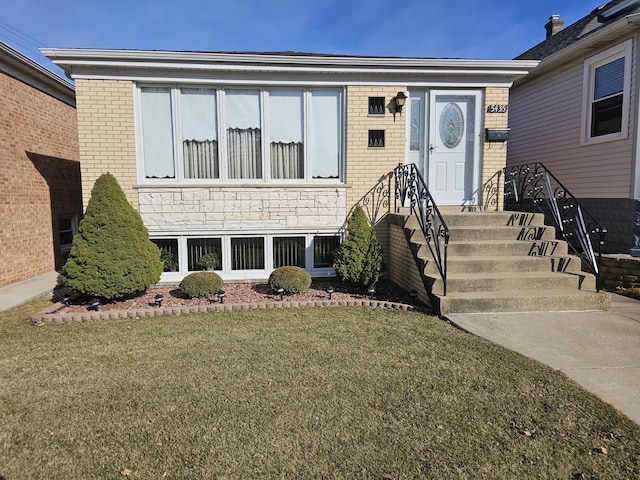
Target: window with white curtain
157 132
607 94
199 133
285 131
244 144
324 134
189 134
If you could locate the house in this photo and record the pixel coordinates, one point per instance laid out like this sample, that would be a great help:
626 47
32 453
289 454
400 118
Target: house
577 112
40 196
260 157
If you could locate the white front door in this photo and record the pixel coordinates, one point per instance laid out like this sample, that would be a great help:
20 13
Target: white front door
444 143
453 158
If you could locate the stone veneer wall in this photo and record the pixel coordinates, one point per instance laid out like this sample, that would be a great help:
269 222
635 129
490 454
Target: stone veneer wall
620 271
106 133
235 208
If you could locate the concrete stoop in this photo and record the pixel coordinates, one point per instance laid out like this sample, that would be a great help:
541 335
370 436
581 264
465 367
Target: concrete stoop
504 262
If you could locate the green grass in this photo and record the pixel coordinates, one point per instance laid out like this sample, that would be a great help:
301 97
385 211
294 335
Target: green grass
297 393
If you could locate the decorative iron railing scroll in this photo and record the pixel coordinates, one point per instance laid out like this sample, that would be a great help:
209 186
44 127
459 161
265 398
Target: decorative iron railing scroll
534 188
411 191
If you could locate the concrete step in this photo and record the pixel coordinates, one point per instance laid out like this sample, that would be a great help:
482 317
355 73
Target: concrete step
522 301
501 263
501 281
484 219
493 232
541 248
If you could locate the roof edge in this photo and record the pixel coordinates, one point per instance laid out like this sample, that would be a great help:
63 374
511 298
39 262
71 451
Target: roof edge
22 68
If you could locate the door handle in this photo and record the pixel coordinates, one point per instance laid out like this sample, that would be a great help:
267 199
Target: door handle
432 148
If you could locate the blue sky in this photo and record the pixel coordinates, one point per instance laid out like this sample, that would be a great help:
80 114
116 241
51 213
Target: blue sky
493 29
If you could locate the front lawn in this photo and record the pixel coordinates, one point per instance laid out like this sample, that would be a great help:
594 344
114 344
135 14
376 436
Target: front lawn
295 393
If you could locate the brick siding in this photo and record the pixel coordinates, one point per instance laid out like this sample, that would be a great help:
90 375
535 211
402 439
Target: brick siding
39 181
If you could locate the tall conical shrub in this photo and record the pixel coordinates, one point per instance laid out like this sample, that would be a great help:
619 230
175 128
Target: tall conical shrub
359 258
111 255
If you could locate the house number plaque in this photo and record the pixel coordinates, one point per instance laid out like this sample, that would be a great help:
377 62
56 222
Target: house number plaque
497 109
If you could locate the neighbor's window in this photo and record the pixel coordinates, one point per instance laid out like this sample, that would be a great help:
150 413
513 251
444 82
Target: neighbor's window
67 228
607 94
262 135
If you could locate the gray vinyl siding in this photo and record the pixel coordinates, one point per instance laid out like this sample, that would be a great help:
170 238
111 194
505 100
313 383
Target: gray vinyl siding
545 116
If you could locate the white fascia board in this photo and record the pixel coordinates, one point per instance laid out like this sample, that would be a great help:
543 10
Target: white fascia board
99 63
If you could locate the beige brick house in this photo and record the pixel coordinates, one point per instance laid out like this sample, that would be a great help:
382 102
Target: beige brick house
260 157
40 197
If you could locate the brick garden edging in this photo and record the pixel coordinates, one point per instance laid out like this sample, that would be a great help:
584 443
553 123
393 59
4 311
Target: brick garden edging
50 315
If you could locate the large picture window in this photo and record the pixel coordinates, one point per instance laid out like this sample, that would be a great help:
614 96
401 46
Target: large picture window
606 97
270 135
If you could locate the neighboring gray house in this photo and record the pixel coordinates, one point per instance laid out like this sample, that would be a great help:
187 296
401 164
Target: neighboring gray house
577 113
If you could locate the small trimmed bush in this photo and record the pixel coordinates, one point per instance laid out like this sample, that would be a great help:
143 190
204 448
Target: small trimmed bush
291 279
359 258
201 284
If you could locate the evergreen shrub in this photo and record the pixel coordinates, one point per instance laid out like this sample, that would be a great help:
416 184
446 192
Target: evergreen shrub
201 284
291 279
359 258
111 255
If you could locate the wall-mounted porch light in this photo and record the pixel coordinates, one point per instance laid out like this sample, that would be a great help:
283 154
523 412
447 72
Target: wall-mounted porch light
399 101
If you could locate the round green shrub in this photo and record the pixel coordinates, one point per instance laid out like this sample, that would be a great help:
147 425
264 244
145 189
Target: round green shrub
201 284
112 255
291 279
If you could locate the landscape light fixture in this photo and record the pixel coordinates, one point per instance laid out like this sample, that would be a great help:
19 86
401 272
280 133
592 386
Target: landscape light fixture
158 299
281 292
371 291
221 294
414 295
94 304
400 100
330 291
66 300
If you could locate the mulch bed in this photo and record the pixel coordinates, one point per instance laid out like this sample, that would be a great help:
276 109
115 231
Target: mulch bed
239 294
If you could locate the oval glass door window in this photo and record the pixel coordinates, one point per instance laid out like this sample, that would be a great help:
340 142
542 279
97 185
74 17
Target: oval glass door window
451 125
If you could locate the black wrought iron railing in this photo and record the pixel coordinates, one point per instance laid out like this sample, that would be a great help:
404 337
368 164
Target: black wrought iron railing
412 192
532 187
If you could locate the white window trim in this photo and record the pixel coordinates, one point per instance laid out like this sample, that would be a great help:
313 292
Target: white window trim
624 49
266 179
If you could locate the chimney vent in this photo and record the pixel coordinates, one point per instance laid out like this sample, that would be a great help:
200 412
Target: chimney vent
554 25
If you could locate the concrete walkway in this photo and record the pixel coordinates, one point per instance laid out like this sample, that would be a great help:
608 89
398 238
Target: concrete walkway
598 350
27 290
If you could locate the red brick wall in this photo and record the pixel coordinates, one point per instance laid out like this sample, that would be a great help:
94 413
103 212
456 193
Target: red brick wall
39 178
